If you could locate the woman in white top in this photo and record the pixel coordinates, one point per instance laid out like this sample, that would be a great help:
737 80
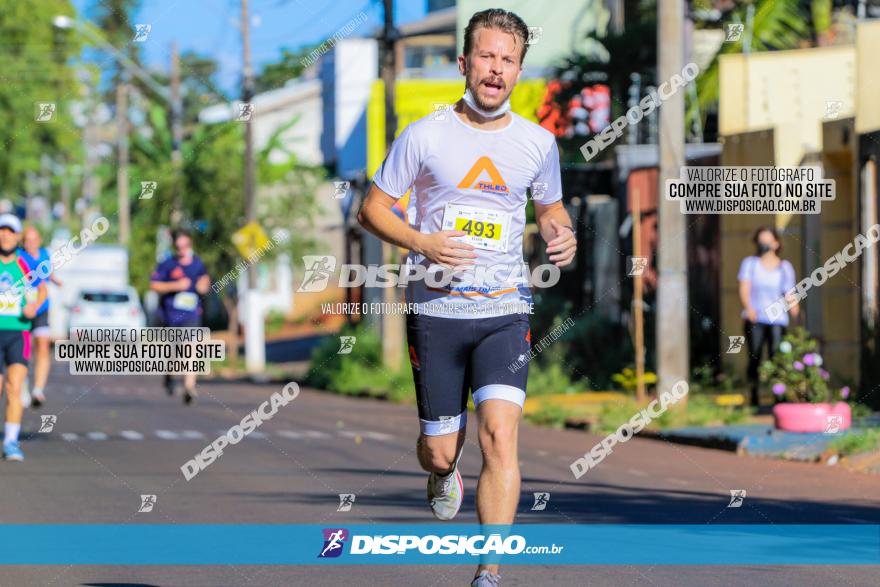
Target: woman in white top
764 278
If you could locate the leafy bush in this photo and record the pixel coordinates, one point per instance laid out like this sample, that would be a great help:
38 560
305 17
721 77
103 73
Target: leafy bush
547 379
592 350
706 379
361 371
796 372
274 320
549 414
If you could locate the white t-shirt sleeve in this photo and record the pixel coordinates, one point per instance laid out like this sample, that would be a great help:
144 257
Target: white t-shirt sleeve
550 176
401 166
746 268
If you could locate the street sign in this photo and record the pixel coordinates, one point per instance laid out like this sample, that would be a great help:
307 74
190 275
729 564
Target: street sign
249 239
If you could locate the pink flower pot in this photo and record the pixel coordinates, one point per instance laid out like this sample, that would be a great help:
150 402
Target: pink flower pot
812 417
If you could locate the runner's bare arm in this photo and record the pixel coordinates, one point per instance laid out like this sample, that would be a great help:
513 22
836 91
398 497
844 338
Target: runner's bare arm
30 310
203 284
558 232
376 216
164 287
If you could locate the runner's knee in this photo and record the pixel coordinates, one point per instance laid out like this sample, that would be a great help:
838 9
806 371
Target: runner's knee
437 455
498 440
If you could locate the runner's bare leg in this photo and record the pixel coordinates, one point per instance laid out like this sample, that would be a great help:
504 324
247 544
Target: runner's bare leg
41 362
499 484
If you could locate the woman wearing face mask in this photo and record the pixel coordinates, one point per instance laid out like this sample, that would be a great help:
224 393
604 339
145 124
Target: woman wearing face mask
763 279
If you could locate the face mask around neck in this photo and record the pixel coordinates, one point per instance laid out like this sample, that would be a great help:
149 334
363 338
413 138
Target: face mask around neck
472 104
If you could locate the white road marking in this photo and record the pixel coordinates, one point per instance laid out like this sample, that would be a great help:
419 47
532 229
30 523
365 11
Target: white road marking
131 435
304 434
69 436
191 434
97 436
167 435
368 434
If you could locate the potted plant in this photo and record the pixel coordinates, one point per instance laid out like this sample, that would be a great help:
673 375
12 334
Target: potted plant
806 401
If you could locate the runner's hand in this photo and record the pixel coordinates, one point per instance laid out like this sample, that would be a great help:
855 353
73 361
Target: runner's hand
30 310
440 248
752 315
183 283
562 248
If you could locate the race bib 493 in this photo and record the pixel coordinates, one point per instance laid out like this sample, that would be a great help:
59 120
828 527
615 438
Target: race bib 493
486 229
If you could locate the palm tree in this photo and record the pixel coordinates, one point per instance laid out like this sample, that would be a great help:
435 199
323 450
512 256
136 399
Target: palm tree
775 25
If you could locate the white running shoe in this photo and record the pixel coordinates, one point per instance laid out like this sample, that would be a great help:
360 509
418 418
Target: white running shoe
486 579
38 398
25 393
445 494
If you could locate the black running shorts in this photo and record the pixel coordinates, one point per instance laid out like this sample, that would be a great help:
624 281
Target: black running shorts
452 357
15 347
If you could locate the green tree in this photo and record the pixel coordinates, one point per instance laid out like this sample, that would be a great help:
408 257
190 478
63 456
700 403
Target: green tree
288 67
777 25
213 193
34 64
113 17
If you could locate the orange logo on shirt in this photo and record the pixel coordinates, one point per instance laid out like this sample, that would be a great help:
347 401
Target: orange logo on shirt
496 184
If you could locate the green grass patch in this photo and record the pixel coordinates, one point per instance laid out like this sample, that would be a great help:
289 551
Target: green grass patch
858 442
700 411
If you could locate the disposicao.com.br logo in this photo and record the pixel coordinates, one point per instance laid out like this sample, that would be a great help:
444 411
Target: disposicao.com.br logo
454 544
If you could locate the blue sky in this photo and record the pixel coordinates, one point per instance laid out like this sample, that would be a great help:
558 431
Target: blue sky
211 27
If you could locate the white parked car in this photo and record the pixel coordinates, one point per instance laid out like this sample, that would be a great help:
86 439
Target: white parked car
95 267
117 307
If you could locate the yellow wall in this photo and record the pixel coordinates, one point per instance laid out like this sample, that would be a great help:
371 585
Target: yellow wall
868 86
414 99
787 91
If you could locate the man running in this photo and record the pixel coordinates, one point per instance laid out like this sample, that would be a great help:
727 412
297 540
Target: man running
179 281
470 172
37 257
15 323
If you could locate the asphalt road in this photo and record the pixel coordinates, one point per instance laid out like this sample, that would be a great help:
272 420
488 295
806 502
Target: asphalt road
116 438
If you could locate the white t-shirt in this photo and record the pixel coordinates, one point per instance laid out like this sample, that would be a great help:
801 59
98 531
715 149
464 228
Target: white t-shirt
485 176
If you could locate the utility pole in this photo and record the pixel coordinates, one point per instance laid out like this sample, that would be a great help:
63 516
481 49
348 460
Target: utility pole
393 326
672 287
255 351
122 167
90 183
246 97
65 192
389 72
176 134
638 314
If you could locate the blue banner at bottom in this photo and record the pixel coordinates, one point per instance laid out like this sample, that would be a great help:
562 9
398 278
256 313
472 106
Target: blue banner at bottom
521 544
